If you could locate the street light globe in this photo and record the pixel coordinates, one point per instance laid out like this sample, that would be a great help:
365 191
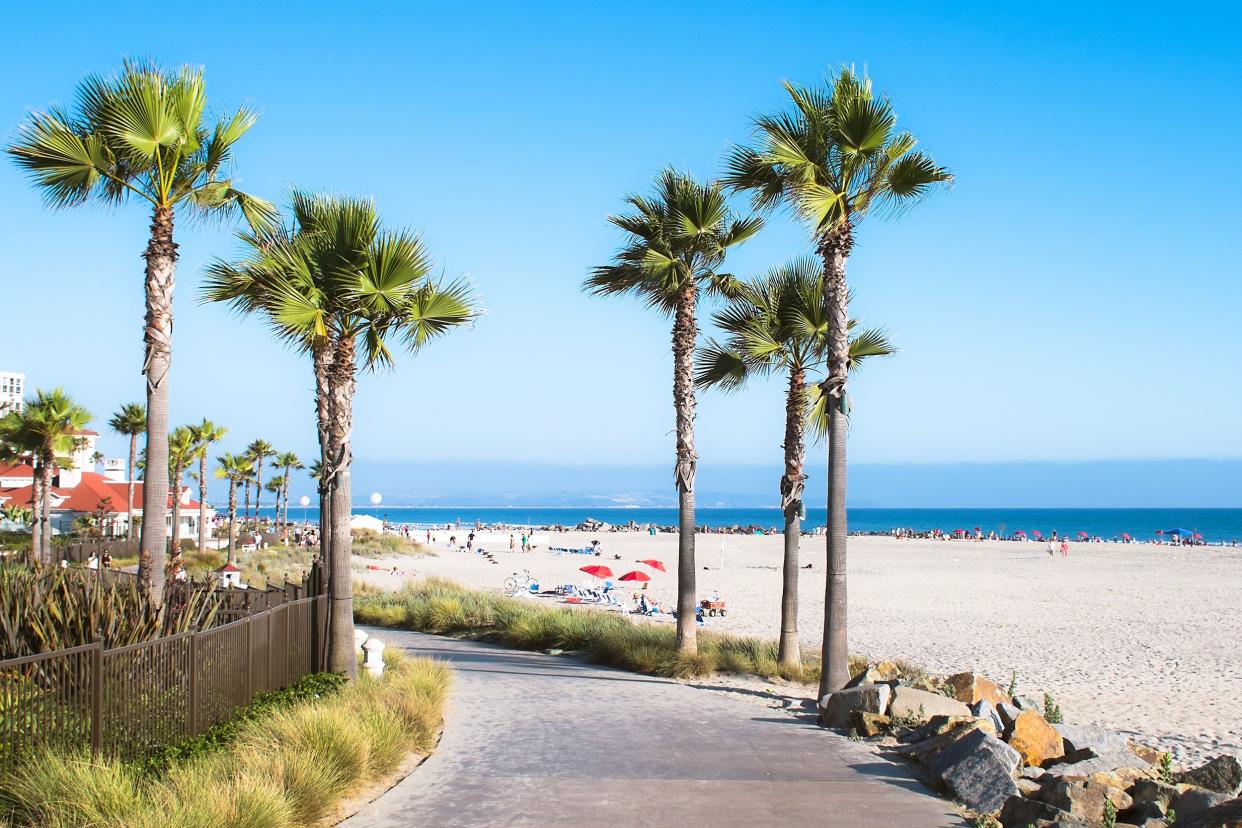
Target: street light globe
375 498
304 500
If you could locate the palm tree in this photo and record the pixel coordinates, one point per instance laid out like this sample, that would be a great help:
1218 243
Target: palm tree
258 451
287 461
144 133
276 486
47 429
675 244
338 286
130 420
182 449
834 158
780 323
205 434
236 470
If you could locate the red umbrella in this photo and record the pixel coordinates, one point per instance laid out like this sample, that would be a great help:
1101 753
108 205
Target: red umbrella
1020 533
654 564
1083 535
1124 536
1197 536
1037 534
596 571
1159 531
635 576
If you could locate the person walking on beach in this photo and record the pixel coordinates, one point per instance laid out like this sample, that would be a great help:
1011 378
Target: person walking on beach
511 543
524 543
1052 548
1064 548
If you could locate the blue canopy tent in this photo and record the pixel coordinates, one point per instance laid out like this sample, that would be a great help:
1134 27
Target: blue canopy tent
1179 532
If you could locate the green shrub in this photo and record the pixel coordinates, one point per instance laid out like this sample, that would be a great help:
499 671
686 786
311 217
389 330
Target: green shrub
445 608
283 769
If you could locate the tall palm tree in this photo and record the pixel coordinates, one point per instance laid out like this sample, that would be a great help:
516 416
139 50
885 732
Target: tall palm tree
47 429
835 157
144 133
340 287
236 470
780 323
276 486
130 420
258 451
205 434
287 461
182 449
676 241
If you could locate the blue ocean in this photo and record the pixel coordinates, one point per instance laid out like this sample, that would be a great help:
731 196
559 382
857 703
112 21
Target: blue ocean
1215 525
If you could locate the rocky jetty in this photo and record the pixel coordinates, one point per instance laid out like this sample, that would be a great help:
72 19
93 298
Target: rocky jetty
1003 759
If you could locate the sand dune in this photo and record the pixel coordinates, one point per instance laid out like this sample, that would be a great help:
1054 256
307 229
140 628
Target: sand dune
1139 638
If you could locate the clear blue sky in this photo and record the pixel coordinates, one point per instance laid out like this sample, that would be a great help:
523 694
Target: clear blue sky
1073 297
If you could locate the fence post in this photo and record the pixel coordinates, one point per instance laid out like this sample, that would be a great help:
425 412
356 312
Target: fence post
194 682
271 650
249 658
97 698
288 645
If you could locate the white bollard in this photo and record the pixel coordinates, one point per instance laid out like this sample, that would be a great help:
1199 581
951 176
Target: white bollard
360 636
373 657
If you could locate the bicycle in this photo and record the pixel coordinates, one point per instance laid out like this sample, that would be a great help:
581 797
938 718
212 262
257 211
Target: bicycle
519 581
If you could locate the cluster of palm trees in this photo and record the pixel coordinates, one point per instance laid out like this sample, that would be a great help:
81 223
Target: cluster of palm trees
46 431
832 158
246 469
331 281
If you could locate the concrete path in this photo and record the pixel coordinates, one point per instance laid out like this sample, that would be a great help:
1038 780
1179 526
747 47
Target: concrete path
533 740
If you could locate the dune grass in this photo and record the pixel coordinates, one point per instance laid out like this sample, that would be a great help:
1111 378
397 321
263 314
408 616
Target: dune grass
445 608
284 770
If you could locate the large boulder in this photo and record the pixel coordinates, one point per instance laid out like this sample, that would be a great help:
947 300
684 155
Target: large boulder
1226 815
1008 714
1084 800
1081 739
878 673
971 687
978 768
1194 801
983 709
1019 812
1222 775
938 725
1034 738
835 709
908 703
870 724
1152 790
1108 763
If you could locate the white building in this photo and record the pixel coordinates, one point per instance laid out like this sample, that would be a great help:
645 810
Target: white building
12 387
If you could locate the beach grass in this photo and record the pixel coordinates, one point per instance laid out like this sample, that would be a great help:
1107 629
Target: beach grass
286 769
444 608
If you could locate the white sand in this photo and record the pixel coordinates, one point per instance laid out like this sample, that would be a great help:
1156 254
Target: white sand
1140 638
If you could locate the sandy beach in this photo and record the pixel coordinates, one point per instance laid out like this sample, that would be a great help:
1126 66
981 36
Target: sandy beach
1136 637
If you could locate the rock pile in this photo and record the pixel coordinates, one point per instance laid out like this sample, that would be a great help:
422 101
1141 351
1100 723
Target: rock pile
1002 759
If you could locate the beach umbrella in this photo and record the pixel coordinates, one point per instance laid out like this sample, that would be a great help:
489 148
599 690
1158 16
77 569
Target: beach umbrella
596 571
1197 536
1038 534
1083 536
1178 532
1124 536
654 564
1021 533
635 576
1159 531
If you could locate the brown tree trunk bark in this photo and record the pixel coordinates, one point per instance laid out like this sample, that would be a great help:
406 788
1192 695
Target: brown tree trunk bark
835 250
685 333
232 522
321 354
36 508
161 256
284 515
174 560
258 491
202 502
342 657
246 514
45 494
792 483
129 504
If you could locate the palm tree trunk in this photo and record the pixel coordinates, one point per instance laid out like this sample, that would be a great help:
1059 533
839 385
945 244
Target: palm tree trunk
258 491
246 514
284 496
161 256
792 483
36 506
129 504
174 562
233 521
835 250
202 502
45 494
685 333
342 657
321 355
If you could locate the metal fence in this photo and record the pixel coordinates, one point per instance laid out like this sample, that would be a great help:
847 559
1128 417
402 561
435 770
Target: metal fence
129 700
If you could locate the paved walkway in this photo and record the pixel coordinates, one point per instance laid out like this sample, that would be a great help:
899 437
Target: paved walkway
532 740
